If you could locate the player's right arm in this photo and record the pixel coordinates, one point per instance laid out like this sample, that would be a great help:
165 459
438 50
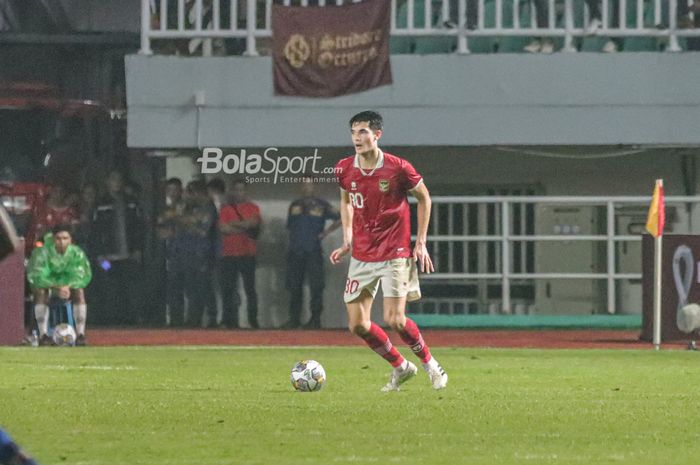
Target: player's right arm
346 213
38 270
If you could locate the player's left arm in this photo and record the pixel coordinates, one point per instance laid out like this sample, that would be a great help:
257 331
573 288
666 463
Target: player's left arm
420 250
80 269
346 214
251 222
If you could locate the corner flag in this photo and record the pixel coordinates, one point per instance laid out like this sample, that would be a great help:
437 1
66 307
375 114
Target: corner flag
657 212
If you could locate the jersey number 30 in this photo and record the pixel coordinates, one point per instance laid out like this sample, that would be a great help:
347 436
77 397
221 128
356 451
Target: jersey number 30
357 200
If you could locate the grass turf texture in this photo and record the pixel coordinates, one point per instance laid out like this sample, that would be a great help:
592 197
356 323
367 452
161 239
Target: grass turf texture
226 405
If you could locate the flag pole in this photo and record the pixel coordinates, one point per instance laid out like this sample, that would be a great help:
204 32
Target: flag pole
657 292
655 226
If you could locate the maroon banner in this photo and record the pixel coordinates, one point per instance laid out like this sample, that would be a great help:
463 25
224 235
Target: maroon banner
12 297
331 50
680 284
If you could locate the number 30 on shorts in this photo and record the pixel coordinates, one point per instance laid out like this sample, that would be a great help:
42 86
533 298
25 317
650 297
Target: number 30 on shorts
351 286
357 200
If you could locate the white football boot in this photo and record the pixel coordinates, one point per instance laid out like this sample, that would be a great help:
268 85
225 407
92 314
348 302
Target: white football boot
400 375
438 377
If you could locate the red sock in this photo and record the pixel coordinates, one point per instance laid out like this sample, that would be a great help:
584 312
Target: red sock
379 342
412 337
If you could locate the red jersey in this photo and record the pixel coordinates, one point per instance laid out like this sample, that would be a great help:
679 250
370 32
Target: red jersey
54 216
238 245
381 224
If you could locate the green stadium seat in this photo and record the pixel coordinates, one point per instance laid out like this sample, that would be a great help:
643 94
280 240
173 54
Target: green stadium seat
513 44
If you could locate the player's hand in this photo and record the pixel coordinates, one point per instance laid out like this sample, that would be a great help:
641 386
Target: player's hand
338 254
420 255
63 292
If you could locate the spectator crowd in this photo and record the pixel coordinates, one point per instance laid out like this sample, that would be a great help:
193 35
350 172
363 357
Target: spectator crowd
207 234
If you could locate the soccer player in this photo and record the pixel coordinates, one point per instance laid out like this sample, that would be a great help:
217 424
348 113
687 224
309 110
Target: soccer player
61 267
10 452
377 231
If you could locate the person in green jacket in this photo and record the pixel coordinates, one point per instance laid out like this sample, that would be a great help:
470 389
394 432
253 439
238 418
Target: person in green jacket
62 268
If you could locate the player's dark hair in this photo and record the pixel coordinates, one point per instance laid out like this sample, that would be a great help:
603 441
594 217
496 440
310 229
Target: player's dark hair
174 182
63 227
373 118
217 185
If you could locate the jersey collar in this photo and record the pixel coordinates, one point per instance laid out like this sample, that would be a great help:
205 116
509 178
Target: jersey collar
380 163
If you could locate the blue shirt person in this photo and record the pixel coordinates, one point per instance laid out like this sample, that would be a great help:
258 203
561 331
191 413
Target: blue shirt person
306 221
11 453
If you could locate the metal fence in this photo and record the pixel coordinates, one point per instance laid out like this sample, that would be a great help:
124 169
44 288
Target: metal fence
249 20
503 240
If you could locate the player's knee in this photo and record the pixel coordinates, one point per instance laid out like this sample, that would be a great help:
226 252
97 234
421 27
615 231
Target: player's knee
395 323
78 296
395 320
41 296
359 329
398 326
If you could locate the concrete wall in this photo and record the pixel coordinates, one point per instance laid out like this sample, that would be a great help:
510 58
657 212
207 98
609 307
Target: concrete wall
582 98
104 15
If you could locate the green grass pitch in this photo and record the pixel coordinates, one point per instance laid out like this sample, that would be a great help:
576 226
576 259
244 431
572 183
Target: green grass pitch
232 405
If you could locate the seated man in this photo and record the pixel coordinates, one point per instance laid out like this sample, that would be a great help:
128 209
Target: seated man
62 268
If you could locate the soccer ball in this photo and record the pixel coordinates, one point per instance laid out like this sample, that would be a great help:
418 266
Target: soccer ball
64 335
308 376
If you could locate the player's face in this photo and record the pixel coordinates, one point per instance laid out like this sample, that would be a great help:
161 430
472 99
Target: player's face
62 240
363 137
115 183
173 192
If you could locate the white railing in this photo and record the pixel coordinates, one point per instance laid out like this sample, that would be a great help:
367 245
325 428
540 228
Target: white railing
504 224
250 20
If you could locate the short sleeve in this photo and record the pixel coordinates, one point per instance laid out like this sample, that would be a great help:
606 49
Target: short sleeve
413 179
340 175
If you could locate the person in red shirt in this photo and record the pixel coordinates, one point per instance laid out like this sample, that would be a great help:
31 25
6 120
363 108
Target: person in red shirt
377 232
239 225
57 211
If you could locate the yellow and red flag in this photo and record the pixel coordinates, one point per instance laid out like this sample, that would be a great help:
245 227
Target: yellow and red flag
657 212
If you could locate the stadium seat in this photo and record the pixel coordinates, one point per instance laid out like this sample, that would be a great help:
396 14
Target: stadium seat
515 44
630 44
399 45
422 45
486 44
512 44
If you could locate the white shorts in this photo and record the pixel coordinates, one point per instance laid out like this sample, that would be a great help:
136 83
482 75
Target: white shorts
399 278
